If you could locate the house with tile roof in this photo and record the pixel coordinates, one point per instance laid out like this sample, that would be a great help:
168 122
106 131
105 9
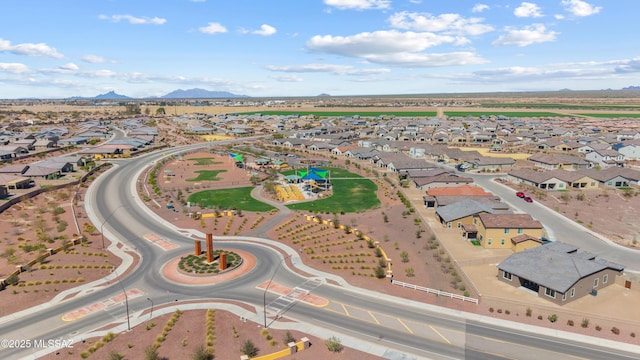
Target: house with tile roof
539 179
561 161
605 158
558 272
445 179
496 230
524 242
461 213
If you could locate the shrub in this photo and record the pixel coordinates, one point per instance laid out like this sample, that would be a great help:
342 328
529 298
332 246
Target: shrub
598 328
288 337
615 330
539 317
553 318
200 353
333 344
248 348
529 311
570 322
151 353
585 323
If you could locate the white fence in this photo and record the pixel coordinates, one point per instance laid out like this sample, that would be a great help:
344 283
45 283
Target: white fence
433 291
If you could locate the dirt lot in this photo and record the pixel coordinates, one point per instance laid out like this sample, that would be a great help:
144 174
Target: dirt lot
190 332
606 211
43 222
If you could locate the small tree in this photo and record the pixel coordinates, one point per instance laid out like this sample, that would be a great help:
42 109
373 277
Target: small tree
379 272
249 348
288 337
333 344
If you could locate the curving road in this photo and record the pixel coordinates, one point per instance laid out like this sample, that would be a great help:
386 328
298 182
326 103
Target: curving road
563 229
387 326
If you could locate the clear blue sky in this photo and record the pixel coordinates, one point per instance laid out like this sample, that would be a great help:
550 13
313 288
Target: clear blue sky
139 48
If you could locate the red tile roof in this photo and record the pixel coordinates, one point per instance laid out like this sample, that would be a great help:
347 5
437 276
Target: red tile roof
462 190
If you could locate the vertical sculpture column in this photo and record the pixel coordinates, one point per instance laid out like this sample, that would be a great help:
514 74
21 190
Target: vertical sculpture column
209 247
198 247
222 261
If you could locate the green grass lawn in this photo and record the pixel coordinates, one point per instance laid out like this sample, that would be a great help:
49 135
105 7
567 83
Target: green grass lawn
613 115
345 113
207 175
227 199
350 195
506 113
205 161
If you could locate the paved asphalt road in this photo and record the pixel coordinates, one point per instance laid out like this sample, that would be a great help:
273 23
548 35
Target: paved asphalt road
459 336
561 228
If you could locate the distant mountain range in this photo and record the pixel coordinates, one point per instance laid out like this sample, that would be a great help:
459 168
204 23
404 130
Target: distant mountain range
176 94
197 93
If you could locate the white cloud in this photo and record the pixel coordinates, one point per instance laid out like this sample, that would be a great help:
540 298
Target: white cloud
94 59
376 42
478 8
629 66
393 48
213 28
447 23
558 16
288 78
98 74
15 68
580 8
519 73
527 9
359 4
265 30
30 49
326 68
536 33
69 67
134 20
408 59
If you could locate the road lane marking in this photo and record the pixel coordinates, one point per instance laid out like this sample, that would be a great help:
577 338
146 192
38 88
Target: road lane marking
442 336
405 325
345 309
374 318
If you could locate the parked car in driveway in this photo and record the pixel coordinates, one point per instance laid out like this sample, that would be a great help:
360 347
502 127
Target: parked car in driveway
520 194
527 199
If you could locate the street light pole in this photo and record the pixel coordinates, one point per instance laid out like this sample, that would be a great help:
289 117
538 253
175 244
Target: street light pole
105 220
151 315
126 299
264 295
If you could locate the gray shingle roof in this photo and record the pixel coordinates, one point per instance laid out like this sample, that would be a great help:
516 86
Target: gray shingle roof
462 209
549 266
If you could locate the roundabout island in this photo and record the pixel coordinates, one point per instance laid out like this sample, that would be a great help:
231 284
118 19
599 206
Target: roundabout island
208 267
